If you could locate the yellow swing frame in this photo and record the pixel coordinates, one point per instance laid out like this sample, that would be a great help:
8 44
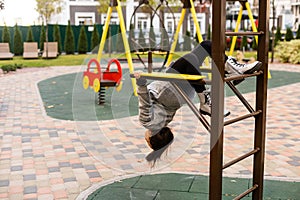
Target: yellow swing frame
116 4
244 5
191 7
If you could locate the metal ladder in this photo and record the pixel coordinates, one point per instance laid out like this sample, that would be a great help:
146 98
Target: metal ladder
259 113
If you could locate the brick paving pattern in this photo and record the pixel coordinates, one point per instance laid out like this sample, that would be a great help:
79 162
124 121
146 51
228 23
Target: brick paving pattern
46 158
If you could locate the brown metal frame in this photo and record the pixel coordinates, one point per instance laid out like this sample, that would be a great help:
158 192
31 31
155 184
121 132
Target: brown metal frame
259 114
216 127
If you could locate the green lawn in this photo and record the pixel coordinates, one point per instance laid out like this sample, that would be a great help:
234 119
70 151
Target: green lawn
71 60
62 60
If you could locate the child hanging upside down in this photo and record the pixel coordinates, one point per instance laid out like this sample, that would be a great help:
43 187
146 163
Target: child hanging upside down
158 101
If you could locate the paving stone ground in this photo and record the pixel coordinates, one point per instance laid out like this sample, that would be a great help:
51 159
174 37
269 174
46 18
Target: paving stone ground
47 158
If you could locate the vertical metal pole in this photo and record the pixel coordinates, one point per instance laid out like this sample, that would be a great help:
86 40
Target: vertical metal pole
150 62
254 29
126 45
261 100
217 118
104 33
237 26
194 15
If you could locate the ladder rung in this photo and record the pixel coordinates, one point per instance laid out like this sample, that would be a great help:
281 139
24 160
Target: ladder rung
247 33
241 158
242 117
231 78
246 192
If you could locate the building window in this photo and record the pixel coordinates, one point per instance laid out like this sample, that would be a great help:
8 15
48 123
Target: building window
169 27
142 22
84 18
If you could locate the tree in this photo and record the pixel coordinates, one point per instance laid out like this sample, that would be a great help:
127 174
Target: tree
120 43
82 41
6 35
289 34
164 42
278 35
187 42
42 37
254 44
141 39
298 33
244 43
57 37
131 37
107 44
46 8
29 35
95 39
69 40
18 45
208 32
152 41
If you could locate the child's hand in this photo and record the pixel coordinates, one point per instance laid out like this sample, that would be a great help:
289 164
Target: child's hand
137 74
139 80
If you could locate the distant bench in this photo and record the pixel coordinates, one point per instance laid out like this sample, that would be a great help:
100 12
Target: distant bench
5 51
30 50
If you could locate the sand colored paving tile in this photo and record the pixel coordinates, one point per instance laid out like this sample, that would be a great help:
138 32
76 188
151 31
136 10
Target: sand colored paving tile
46 158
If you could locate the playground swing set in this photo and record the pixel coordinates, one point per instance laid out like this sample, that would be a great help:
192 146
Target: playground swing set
98 82
216 127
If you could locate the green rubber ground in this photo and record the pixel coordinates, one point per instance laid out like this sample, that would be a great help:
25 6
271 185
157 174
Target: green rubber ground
174 186
57 96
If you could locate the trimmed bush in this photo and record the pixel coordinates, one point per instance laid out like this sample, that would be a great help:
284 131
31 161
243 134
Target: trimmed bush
208 33
131 37
187 44
288 51
120 44
289 35
107 44
278 36
82 43
95 39
57 37
164 43
298 33
11 67
5 35
69 40
29 35
254 44
152 39
142 40
244 43
18 44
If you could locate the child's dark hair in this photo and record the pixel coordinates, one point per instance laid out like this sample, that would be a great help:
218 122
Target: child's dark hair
161 139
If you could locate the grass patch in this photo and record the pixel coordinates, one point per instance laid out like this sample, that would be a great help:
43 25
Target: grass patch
62 60
75 60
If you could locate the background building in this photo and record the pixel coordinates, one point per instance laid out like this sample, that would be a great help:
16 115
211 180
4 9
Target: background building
286 14
295 4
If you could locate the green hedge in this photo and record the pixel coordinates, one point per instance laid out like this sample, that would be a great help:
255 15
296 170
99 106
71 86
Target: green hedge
36 31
